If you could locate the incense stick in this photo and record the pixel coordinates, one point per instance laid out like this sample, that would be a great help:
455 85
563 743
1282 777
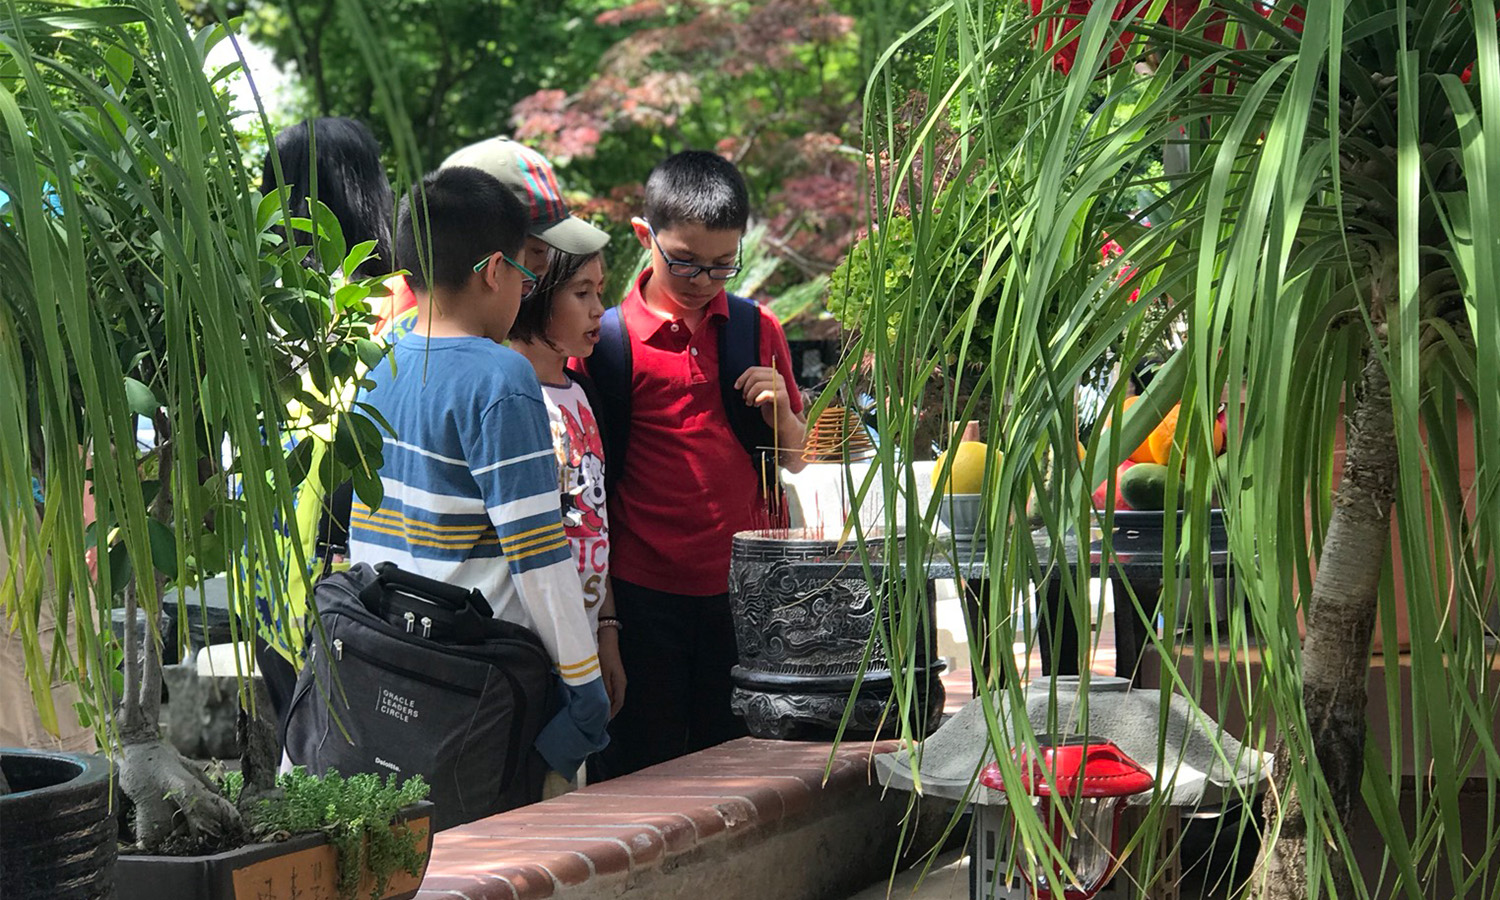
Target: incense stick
775 473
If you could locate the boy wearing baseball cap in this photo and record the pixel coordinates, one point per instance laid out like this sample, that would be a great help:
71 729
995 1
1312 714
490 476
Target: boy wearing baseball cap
527 174
530 177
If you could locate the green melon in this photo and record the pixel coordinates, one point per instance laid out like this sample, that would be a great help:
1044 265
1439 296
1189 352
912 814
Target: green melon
1144 486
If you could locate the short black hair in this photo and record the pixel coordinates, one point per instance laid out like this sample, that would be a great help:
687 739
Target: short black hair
697 187
467 213
351 182
536 311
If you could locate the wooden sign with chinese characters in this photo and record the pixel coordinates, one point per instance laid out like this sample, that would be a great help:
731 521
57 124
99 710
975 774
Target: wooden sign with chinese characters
313 874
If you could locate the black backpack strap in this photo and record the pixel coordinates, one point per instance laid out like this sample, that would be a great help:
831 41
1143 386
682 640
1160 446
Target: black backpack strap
610 379
739 349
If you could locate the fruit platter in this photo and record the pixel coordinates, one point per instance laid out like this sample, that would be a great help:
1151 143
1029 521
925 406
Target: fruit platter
1143 483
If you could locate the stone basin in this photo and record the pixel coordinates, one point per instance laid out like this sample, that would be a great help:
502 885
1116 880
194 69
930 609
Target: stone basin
1191 772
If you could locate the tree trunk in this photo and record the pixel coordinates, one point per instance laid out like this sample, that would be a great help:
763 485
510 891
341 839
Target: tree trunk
177 808
1336 648
260 745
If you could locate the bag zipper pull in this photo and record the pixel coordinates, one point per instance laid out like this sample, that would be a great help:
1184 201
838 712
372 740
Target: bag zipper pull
338 648
411 621
426 626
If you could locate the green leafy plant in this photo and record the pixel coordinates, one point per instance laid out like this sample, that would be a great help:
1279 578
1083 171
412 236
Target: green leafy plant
935 253
154 330
1325 231
357 813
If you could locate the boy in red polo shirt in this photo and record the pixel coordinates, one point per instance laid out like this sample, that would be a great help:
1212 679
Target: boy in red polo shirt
686 482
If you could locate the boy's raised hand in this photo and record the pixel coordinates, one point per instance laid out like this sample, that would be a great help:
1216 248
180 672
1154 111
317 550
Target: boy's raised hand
763 386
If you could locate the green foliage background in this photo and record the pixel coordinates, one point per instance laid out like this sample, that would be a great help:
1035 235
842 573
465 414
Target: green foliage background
607 88
461 64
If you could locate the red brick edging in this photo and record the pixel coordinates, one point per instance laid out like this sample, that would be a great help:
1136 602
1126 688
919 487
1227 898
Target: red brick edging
622 827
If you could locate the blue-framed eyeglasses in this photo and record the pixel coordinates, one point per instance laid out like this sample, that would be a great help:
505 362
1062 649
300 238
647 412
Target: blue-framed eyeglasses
683 269
528 277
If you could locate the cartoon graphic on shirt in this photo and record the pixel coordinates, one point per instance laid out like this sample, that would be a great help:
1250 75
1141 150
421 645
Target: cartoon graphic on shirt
593 482
585 470
580 480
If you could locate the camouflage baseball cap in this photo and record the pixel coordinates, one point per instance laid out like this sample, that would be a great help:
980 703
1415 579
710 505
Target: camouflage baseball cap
530 177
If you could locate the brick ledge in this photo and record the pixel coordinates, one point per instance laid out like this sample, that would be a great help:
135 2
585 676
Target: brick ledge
601 838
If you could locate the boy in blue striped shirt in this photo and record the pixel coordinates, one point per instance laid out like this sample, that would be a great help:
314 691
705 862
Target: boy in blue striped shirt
470 475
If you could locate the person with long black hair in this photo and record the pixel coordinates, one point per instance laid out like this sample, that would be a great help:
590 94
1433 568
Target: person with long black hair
336 160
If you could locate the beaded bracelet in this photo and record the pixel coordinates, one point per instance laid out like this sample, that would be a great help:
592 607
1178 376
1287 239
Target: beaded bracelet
609 622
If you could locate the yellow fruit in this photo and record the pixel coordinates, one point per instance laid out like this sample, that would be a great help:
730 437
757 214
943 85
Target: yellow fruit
967 474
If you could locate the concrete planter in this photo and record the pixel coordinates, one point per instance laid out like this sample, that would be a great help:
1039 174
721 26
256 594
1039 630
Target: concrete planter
1169 736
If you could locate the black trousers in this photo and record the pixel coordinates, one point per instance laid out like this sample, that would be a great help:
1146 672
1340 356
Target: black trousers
677 651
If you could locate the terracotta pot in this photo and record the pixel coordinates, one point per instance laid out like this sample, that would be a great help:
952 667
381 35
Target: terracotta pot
298 868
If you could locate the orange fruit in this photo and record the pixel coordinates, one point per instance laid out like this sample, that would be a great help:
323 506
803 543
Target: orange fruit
1141 454
1161 438
1159 441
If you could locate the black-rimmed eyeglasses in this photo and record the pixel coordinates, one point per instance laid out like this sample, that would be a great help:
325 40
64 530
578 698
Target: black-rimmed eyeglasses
682 268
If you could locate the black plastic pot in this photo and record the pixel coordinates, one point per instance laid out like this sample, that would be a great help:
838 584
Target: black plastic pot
1142 531
298 868
803 617
57 827
205 625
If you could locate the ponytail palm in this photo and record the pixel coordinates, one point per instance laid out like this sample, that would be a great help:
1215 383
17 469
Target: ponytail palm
153 331
1322 190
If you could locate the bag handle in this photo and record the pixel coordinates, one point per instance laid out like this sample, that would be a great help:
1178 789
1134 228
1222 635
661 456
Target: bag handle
430 590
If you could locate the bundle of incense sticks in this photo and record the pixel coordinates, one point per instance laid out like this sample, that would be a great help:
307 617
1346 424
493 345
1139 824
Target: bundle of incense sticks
838 435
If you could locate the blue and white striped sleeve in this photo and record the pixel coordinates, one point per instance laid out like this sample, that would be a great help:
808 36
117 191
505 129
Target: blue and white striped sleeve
512 459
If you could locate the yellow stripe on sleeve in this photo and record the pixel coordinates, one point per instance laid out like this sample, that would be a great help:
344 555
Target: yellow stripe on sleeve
524 536
392 517
446 544
538 551
527 546
581 676
591 662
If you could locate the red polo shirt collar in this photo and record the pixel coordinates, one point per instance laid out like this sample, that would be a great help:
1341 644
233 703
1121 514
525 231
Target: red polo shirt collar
649 324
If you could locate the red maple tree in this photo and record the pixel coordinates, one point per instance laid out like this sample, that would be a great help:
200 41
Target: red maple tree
750 69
